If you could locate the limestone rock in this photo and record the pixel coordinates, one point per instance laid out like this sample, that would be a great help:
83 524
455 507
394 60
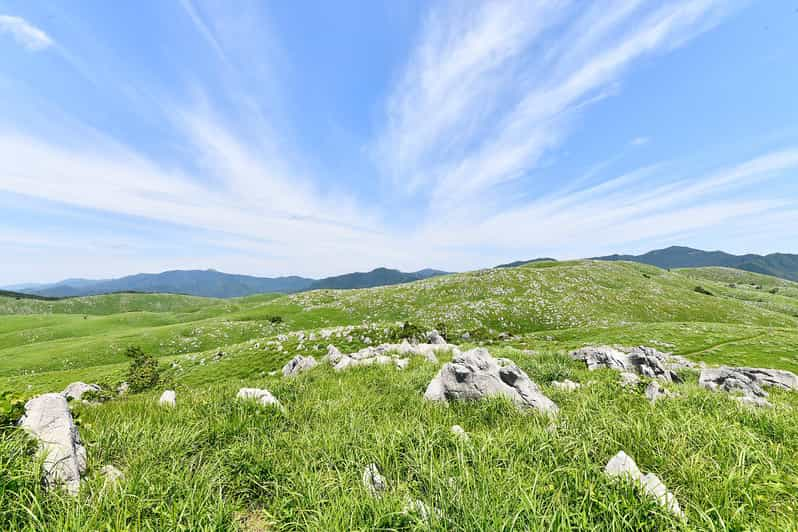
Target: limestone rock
655 392
566 385
167 398
435 338
298 364
123 388
623 466
47 417
475 375
641 360
460 432
777 378
374 482
730 380
262 396
77 389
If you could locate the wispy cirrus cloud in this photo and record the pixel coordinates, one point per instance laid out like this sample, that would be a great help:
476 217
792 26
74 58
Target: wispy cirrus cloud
492 87
25 33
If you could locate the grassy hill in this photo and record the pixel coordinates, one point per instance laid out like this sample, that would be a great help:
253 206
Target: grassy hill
216 463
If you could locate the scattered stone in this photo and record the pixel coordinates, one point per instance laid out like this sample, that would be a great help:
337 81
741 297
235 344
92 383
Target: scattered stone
655 392
776 378
218 356
374 482
402 363
566 385
475 375
298 364
435 338
123 388
47 417
167 398
623 466
263 396
77 389
460 432
602 357
385 354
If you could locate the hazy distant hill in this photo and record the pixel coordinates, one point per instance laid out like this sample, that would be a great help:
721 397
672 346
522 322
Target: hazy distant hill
377 277
777 264
211 283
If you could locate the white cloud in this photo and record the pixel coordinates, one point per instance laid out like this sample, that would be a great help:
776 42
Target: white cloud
24 33
639 141
490 90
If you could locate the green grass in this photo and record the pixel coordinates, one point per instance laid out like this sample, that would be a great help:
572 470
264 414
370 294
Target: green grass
214 463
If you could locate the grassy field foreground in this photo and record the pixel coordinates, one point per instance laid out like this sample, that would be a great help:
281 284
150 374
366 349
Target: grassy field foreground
215 463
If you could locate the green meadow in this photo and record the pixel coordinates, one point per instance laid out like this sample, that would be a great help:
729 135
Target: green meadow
215 463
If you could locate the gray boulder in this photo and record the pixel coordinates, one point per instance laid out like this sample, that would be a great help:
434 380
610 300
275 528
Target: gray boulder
77 389
47 417
655 392
777 378
476 375
566 385
730 380
297 365
640 360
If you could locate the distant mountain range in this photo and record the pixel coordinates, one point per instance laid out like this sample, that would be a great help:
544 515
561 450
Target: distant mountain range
776 264
211 283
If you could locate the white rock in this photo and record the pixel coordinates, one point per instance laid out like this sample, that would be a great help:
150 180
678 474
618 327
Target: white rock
47 417
623 466
77 389
112 474
566 385
262 396
298 364
374 482
460 432
167 398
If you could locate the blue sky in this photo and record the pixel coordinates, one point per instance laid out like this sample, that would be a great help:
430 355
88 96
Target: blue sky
317 138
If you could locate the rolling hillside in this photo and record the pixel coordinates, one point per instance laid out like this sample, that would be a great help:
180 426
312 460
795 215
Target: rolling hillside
231 465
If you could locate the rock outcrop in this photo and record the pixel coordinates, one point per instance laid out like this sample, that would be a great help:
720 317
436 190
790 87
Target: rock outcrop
623 466
643 361
47 417
655 392
262 396
386 354
730 380
476 375
297 365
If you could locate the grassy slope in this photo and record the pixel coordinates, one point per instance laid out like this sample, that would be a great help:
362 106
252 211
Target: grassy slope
213 460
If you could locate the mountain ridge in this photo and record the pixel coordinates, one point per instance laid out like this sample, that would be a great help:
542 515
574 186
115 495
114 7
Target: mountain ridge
782 265
212 283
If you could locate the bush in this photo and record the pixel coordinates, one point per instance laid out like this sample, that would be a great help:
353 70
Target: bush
143 372
702 290
443 330
275 319
408 331
12 406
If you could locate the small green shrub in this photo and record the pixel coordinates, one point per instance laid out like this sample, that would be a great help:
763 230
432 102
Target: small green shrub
408 331
12 406
143 372
702 290
275 319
